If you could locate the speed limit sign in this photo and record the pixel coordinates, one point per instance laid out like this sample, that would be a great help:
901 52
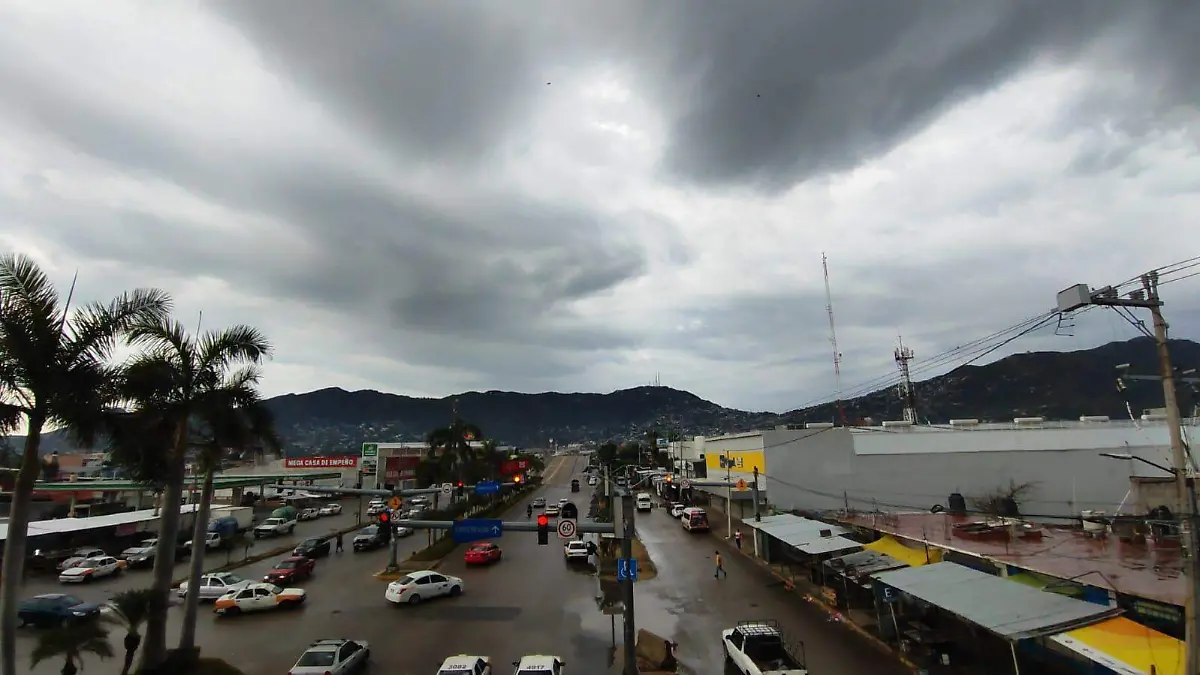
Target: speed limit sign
566 529
687 484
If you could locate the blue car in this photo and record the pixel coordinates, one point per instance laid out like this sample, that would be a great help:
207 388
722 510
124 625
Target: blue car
55 609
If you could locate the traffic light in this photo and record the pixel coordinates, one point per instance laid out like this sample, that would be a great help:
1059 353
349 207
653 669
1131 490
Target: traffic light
458 489
385 517
569 511
543 530
517 479
385 526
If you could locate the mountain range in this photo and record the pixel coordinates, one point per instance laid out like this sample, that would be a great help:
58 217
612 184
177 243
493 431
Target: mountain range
1055 385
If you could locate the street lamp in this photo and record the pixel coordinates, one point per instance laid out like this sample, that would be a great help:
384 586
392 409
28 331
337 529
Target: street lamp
1135 458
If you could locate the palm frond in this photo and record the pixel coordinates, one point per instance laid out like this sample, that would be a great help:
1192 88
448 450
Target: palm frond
163 338
218 350
72 642
27 289
130 608
93 330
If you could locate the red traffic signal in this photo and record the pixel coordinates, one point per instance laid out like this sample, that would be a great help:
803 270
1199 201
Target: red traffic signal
384 517
459 484
543 521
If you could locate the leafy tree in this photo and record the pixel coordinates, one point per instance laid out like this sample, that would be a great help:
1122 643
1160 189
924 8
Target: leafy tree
607 454
70 643
54 372
130 610
450 447
184 394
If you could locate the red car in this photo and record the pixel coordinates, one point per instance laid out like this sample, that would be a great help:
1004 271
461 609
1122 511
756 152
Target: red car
291 570
482 553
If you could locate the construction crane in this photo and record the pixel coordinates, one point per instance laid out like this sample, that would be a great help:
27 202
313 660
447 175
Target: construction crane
837 355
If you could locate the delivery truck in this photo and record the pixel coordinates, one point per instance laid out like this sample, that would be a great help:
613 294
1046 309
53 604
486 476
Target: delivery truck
243 515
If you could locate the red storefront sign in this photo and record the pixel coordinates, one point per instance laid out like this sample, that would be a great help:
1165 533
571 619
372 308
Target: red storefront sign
514 466
396 469
321 463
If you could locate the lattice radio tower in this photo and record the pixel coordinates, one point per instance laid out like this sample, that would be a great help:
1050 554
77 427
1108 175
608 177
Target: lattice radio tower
908 395
837 355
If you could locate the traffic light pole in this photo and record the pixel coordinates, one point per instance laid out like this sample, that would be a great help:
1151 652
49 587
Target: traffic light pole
628 513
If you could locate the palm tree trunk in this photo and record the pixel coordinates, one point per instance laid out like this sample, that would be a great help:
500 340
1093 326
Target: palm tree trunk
13 570
154 645
191 604
131 643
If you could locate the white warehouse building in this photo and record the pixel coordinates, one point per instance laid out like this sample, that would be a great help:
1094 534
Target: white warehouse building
898 466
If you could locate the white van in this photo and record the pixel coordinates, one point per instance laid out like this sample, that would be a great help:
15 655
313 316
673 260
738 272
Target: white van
644 502
694 520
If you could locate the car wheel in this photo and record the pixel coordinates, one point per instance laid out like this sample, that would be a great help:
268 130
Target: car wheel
455 591
291 529
233 611
414 599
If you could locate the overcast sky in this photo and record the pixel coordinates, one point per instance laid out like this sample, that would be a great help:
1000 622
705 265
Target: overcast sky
432 197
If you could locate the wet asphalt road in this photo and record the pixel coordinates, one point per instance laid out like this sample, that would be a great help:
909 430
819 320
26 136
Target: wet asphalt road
686 603
511 608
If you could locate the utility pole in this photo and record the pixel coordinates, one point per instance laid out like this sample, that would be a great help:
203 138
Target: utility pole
728 497
757 512
1147 297
628 513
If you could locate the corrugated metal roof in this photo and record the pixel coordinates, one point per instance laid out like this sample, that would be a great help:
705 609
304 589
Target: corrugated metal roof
787 525
827 545
1012 611
64 525
864 563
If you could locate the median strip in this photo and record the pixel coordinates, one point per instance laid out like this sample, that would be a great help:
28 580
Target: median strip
259 557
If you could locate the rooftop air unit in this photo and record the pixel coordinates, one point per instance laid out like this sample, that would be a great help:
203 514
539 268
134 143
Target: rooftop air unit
1028 420
897 423
964 423
1093 418
819 425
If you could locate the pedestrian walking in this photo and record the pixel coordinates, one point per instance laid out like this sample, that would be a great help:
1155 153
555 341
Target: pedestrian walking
720 570
737 538
338 548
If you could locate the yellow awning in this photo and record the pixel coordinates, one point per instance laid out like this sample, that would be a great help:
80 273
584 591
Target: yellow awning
913 557
1126 647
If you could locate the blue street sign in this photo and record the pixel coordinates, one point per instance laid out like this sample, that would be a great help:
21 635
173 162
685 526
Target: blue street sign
473 530
626 569
487 487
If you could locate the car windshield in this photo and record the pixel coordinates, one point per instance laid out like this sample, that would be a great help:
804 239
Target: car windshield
286 565
407 581
274 589
227 578
479 548
70 600
89 564
324 658
369 531
310 542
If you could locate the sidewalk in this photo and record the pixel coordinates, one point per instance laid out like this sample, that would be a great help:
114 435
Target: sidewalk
804 589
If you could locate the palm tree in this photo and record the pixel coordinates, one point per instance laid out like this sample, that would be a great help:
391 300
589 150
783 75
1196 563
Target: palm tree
451 447
70 643
54 372
235 419
183 392
130 609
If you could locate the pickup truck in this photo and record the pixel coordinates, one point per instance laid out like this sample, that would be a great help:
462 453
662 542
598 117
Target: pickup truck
759 648
273 527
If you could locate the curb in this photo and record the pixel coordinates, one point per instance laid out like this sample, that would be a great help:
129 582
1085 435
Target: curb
259 557
813 600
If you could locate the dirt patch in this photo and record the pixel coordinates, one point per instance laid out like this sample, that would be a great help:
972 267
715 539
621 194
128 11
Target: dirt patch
646 569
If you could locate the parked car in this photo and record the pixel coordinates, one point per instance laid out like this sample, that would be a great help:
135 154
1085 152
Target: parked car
273 527
331 509
313 547
541 664
759 648
333 657
677 510
376 507
309 514
79 555
55 609
213 586
465 663
416 587
482 553
141 555
290 570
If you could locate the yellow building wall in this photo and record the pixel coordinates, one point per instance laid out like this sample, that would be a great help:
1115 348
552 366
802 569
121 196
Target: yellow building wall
744 461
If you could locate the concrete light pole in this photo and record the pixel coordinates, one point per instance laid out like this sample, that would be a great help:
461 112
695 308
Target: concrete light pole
1080 295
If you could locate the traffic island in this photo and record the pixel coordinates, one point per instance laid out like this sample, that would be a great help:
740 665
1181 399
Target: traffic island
646 570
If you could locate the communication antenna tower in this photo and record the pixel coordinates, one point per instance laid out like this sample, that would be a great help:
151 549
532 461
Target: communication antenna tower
907 393
837 355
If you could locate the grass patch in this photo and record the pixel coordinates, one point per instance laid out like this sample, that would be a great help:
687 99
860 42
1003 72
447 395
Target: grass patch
645 565
446 545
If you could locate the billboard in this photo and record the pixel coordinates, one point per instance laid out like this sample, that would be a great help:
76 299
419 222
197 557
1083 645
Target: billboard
396 469
514 466
320 463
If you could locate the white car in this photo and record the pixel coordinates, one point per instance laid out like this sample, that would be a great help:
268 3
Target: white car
79 555
331 509
539 664
258 598
575 551
309 514
465 664
376 507
213 586
335 657
92 569
677 510
211 540
552 510
416 587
